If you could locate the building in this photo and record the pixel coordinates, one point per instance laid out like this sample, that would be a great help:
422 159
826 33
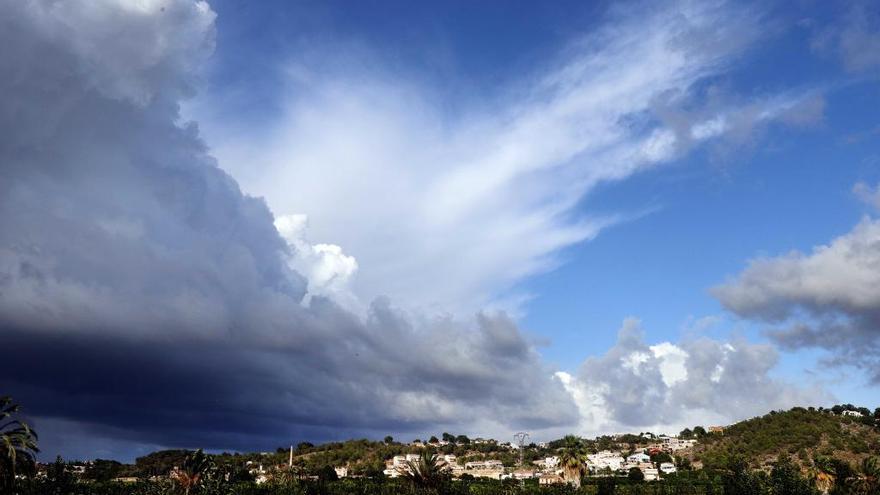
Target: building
547 464
605 460
398 464
673 444
524 474
651 474
852 413
490 468
638 458
484 465
717 429
667 468
341 471
550 479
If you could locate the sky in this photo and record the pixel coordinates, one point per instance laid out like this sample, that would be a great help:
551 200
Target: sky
241 225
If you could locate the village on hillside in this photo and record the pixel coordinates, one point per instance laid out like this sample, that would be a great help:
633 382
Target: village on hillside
654 460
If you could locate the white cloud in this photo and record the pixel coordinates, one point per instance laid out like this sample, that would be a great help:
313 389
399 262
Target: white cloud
477 199
666 387
327 269
867 194
673 360
829 298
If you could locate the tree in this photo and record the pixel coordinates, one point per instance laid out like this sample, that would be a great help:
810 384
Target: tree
660 458
572 459
462 440
389 439
60 479
433 440
327 473
635 474
843 477
738 480
448 437
607 486
686 433
785 479
699 431
868 481
428 471
102 470
190 474
17 441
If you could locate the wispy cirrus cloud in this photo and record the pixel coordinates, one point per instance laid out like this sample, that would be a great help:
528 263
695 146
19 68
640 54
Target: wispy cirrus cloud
143 295
479 198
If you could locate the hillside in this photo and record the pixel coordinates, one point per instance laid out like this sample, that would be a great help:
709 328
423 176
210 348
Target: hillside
803 434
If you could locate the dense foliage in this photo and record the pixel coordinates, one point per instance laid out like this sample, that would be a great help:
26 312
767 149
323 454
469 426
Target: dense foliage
806 434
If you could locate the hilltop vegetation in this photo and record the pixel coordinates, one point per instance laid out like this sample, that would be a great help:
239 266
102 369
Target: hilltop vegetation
796 452
804 434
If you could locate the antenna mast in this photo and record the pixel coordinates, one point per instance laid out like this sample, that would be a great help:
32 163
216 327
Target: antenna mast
520 438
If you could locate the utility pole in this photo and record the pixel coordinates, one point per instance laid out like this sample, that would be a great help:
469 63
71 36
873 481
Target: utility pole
520 438
290 459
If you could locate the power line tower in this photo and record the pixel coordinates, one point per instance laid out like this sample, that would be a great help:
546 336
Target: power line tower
520 438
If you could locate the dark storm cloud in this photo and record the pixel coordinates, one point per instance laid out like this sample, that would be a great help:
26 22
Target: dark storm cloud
827 299
144 296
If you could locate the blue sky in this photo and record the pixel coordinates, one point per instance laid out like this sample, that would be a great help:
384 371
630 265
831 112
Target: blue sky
695 222
265 222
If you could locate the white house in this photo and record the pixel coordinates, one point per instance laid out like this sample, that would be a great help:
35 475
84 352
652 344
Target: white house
667 468
852 413
605 459
638 458
490 464
651 474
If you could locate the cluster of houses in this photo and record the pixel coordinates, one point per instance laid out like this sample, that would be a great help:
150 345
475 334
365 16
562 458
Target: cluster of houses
549 470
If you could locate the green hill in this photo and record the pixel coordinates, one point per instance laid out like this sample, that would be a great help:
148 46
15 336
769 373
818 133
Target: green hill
802 434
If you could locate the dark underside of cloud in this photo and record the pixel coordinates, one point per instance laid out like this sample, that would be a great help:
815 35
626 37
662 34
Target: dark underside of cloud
144 299
141 293
828 299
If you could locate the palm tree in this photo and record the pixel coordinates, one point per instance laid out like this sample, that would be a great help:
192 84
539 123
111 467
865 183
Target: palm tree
868 481
17 440
573 459
428 471
190 474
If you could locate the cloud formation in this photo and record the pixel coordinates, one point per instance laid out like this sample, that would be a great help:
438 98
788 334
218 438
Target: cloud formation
143 295
477 198
145 298
829 298
666 387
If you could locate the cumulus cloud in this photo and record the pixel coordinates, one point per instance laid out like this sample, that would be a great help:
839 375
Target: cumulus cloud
477 198
328 270
142 295
145 299
829 298
666 387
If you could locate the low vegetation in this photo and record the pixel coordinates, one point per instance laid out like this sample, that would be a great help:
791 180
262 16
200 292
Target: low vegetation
796 452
